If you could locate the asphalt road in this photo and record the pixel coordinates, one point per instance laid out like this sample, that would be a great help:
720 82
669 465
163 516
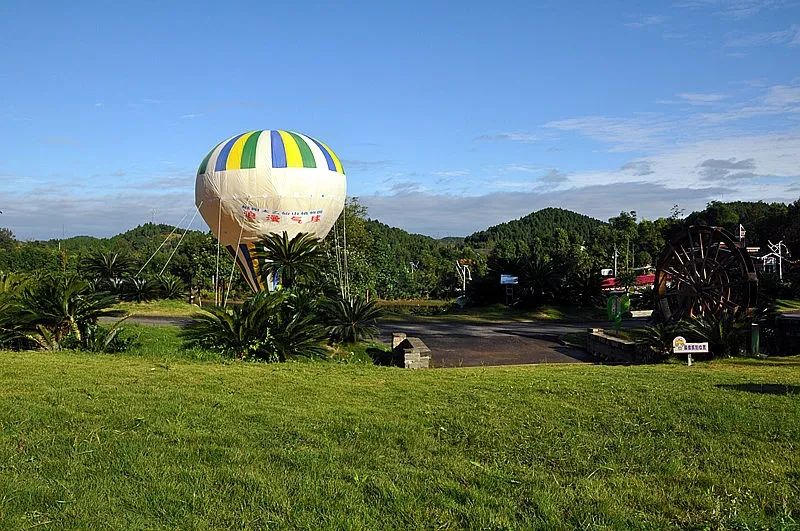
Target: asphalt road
473 344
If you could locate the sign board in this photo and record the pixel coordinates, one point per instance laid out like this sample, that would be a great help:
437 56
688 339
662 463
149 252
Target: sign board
509 279
681 346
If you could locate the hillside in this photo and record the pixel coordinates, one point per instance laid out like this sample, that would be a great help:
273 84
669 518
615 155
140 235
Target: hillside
539 224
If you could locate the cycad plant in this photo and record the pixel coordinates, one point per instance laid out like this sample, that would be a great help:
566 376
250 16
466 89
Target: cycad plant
289 259
351 319
264 327
725 333
58 307
658 338
137 289
107 269
172 287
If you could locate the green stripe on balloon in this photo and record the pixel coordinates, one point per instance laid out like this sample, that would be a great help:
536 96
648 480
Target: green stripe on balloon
204 164
305 151
249 151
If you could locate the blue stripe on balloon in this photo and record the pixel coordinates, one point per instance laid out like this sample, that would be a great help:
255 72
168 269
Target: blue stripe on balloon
328 158
222 158
245 252
278 151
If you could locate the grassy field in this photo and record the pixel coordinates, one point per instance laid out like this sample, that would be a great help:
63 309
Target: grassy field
158 308
165 438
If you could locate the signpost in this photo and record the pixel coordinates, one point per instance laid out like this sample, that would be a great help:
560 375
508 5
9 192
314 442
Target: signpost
509 281
681 346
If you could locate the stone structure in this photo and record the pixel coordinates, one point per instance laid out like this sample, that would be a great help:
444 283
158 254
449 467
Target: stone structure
411 350
610 348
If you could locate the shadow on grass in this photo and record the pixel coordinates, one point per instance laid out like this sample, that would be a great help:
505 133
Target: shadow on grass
762 388
385 358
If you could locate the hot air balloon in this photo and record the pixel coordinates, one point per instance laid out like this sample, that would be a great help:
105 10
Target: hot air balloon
262 182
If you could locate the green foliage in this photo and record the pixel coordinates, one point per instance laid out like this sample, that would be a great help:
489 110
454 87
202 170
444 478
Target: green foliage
7 239
264 327
57 311
351 319
658 338
292 260
172 287
107 269
138 289
726 334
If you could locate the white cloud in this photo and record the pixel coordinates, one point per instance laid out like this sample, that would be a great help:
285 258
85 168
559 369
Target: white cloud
513 136
697 98
651 20
789 36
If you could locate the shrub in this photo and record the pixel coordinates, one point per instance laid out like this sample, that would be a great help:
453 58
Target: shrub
136 289
264 327
351 319
60 309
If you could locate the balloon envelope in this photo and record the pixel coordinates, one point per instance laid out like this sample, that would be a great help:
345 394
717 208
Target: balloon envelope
263 182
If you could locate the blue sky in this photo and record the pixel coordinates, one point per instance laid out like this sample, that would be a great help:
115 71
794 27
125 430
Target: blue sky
449 116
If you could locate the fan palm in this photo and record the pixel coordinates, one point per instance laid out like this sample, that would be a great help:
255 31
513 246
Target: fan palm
290 260
351 319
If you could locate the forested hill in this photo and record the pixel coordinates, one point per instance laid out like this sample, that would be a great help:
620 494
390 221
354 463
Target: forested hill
540 224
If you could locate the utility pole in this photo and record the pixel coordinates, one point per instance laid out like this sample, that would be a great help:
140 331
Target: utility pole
615 260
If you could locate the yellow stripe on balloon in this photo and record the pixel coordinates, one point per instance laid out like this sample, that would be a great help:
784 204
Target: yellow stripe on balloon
294 159
234 161
336 161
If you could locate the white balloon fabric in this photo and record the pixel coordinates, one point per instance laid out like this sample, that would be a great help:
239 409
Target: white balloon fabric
264 182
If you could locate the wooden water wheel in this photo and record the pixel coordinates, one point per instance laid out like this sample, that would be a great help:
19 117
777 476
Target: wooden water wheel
704 271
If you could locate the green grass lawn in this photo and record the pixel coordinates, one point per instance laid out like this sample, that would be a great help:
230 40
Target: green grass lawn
166 438
159 308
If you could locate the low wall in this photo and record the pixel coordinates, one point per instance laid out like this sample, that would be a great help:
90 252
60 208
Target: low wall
610 348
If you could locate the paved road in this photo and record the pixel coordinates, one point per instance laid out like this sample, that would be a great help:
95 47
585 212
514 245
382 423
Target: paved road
476 344
455 344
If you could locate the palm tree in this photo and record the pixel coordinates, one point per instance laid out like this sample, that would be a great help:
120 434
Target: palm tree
107 268
290 260
726 333
351 319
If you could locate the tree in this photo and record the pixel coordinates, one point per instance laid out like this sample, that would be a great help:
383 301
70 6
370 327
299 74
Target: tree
291 260
7 240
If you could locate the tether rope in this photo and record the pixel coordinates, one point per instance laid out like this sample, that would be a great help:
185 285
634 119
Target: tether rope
235 260
162 243
181 239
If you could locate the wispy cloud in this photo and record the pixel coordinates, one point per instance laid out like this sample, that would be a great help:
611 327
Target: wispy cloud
514 136
451 173
192 115
733 8
789 36
650 20
624 134
364 165
698 98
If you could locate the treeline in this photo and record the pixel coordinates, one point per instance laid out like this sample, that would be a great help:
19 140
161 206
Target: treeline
557 254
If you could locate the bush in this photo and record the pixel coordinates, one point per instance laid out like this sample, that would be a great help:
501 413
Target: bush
265 327
351 319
